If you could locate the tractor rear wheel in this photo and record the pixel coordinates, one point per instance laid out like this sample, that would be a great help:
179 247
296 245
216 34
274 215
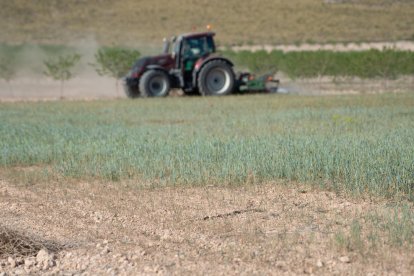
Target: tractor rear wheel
216 78
154 83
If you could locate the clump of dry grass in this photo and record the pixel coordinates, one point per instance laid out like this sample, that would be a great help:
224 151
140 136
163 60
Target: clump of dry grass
16 244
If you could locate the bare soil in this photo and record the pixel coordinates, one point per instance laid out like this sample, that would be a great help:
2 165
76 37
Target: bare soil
118 228
336 47
87 87
40 88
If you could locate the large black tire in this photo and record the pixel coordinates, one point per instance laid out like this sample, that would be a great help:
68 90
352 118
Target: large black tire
154 83
216 78
131 92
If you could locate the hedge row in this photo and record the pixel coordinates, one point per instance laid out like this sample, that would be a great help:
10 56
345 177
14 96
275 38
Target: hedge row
387 63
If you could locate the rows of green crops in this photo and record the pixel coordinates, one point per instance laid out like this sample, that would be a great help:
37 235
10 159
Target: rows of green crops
352 143
387 63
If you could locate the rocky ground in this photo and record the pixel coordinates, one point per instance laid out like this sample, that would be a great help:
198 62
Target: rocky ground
99 228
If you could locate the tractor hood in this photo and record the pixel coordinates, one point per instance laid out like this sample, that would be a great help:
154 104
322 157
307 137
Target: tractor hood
138 65
164 61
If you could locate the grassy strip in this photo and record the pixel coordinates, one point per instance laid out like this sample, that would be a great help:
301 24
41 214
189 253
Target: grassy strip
358 144
392 225
20 49
387 63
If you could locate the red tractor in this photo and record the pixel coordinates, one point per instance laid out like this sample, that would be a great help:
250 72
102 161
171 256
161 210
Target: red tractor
188 62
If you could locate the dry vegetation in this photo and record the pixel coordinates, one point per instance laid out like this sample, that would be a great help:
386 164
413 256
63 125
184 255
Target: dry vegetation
237 22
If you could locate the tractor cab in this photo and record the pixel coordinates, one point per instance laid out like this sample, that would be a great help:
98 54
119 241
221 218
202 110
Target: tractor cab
190 46
187 51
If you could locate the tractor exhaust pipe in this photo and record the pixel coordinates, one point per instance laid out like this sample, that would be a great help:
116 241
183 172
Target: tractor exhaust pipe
166 46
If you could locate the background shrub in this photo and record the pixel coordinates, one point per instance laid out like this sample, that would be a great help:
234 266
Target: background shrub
114 62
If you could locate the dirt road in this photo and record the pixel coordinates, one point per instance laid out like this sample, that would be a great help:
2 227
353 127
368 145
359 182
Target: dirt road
92 88
336 47
41 88
117 228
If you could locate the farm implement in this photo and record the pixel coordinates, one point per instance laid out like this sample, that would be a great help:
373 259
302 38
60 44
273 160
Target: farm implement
190 62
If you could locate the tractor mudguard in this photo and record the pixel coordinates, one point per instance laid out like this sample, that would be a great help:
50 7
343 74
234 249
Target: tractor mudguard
200 62
156 67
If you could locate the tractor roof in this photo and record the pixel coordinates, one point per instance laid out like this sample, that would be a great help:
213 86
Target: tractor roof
196 35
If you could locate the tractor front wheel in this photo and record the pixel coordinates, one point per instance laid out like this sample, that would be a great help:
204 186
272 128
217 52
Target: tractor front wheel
131 92
154 83
216 78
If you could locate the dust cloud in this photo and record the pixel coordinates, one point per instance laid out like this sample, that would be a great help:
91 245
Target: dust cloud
30 83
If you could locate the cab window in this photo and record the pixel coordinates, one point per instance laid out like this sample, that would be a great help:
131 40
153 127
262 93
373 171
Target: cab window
197 47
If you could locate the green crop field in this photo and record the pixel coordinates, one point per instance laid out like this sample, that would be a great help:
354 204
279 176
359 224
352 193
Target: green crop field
354 144
129 22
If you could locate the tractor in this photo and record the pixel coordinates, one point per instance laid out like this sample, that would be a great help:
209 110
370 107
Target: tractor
190 62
